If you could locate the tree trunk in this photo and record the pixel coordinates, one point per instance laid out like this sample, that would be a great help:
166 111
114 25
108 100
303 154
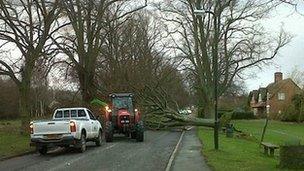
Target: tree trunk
206 108
87 86
24 108
209 109
24 87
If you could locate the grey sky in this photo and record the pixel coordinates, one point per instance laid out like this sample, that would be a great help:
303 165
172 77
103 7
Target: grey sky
292 55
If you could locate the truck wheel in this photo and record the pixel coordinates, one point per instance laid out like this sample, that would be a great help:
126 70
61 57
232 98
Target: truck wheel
99 139
133 135
82 143
42 150
109 132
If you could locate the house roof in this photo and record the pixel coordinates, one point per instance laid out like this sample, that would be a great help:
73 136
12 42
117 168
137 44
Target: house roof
255 93
276 87
259 105
263 92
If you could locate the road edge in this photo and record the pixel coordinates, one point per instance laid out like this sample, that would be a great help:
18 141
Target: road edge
173 154
18 155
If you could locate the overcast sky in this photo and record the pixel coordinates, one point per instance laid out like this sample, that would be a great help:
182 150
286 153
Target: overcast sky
292 55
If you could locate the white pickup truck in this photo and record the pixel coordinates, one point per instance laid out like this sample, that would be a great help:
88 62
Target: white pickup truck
69 127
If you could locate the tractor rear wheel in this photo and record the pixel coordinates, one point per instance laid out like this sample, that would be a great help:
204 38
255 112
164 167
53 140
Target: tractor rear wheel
109 132
139 131
140 136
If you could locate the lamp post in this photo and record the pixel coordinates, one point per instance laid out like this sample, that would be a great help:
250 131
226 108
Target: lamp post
199 12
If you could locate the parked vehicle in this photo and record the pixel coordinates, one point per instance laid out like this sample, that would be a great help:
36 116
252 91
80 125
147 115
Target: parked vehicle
121 117
186 111
69 127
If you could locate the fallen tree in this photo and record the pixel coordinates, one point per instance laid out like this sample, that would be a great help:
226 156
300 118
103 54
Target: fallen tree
160 111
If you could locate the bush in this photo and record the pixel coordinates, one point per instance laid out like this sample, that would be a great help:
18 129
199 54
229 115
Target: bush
243 115
290 114
222 112
236 114
225 119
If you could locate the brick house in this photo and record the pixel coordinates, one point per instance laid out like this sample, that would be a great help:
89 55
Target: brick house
277 96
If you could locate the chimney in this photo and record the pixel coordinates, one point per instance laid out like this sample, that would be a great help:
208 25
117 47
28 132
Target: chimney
278 76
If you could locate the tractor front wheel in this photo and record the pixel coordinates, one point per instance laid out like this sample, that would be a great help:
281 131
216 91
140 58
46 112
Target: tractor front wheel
109 132
127 134
133 135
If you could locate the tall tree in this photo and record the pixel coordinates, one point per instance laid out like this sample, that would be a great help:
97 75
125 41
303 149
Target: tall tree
86 35
230 31
27 26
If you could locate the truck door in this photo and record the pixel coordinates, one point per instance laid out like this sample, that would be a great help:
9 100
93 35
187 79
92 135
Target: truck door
94 125
86 120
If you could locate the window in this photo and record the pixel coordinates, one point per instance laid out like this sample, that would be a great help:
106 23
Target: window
122 103
260 97
91 115
66 114
73 113
252 99
81 113
58 114
281 96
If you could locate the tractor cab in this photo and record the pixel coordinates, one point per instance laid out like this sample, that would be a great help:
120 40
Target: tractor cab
122 117
122 102
122 109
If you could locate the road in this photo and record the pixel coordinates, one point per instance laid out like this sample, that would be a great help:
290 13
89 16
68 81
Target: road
121 154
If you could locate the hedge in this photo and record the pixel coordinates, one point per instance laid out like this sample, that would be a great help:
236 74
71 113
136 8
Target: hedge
292 157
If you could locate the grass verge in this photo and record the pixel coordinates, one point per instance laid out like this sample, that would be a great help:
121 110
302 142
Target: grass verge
11 142
245 153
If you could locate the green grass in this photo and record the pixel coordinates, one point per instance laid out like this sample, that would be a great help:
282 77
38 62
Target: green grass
11 142
244 153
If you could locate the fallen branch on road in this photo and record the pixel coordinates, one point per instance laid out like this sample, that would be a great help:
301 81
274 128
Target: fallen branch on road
162 112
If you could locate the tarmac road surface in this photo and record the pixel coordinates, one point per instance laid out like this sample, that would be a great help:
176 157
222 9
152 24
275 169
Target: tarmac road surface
121 154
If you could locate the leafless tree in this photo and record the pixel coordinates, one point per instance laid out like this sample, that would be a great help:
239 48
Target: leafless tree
84 38
230 30
297 75
26 25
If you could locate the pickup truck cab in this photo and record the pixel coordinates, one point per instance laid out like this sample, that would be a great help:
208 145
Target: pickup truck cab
69 127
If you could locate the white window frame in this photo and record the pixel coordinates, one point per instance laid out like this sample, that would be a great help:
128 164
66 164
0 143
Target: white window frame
260 97
281 96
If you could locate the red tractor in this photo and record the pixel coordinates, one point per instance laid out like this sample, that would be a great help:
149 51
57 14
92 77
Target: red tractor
121 117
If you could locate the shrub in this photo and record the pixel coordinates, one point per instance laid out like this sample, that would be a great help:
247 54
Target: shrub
225 119
290 114
243 115
236 114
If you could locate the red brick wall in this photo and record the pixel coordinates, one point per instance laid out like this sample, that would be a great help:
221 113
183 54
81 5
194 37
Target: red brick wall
276 105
